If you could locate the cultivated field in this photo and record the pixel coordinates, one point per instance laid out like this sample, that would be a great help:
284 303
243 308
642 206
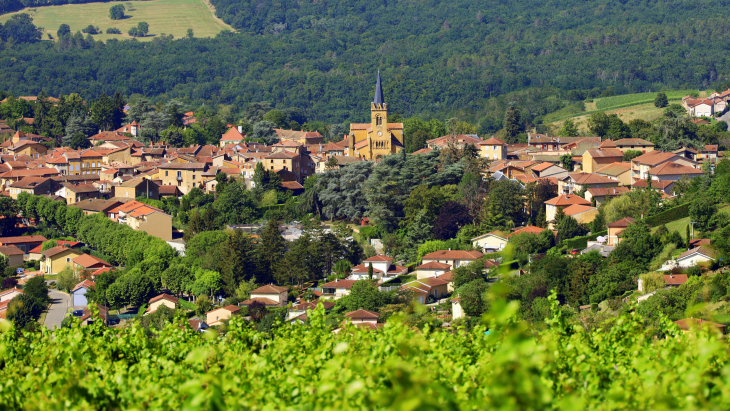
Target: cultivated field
163 16
607 103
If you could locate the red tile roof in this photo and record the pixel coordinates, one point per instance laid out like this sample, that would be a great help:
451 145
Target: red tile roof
269 289
675 279
84 284
86 261
165 297
362 314
452 255
433 265
624 222
262 300
672 168
379 258
530 229
22 239
340 284
577 209
566 200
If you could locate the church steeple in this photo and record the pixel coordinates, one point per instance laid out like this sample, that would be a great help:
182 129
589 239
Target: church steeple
378 99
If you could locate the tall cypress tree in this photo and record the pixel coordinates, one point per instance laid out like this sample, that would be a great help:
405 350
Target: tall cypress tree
239 261
270 250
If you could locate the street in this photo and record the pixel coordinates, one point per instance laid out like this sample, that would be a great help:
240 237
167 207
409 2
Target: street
60 303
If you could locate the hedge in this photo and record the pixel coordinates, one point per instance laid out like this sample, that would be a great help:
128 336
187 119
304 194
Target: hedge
581 242
668 216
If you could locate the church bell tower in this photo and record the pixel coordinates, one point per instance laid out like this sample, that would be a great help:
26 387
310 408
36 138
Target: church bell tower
379 118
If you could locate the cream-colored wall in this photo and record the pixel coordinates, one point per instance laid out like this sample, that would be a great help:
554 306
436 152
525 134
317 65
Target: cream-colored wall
190 179
456 310
280 298
216 317
155 305
155 224
15 260
587 216
491 241
428 273
58 262
550 211
491 152
123 156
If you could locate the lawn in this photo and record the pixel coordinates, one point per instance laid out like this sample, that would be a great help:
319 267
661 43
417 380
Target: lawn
607 103
163 16
681 224
645 111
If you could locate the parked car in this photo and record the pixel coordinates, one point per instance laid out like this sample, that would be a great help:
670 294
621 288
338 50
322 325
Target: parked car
574 251
78 313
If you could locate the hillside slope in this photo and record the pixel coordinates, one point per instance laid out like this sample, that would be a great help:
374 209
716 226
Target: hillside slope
436 58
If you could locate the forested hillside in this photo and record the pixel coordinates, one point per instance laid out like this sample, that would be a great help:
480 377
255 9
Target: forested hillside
437 59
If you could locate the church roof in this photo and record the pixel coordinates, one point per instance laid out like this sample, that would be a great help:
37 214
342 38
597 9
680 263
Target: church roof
378 99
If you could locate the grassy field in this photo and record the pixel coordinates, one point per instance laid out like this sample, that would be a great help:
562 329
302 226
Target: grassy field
607 103
681 224
163 16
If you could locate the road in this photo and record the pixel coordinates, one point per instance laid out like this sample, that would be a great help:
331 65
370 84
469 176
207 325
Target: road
58 309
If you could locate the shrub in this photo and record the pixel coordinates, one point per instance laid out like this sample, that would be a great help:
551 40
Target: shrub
670 215
90 30
113 30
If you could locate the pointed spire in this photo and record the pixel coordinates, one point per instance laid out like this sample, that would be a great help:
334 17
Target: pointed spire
378 99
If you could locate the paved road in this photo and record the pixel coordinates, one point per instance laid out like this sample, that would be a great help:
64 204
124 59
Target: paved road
58 309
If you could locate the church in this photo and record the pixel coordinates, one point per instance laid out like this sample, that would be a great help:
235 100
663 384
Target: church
371 141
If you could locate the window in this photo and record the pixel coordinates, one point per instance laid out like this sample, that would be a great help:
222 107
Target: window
494 147
167 173
193 177
68 259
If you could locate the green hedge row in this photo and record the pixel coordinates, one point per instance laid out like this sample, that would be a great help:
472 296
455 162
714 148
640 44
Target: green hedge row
670 215
581 242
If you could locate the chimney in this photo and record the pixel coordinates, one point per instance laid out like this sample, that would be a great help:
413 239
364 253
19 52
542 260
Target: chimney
240 129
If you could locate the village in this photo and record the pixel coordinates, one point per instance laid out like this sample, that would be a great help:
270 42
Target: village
129 183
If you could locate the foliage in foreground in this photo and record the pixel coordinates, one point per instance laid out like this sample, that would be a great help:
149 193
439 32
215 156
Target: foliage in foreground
397 367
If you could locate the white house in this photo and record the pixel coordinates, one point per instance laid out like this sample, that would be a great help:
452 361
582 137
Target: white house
269 295
432 269
337 288
456 310
8 295
454 258
383 269
490 242
78 294
696 256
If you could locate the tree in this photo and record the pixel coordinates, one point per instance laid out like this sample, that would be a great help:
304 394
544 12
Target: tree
566 160
512 124
471 297
243 292
239 262
569 129
63 30
702 213
364 295
342 268
270 250
257 311
453 216
143 28
177 278
23 311
506 198
468 273
67 280
117 12
203 305
661 100
190 33
207 282
568 228
598 124
131 289
331 164
21 29
37 289
631 154
263 132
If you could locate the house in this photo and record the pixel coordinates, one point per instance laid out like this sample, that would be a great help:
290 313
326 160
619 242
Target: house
86 262
604 155
617 171
162 299
183 175
634 144
337 288
218 315
547 169
97 205
561 203
363 318
25 243
671 171
383 268
453 258
232 136
603 194
641 165
703 107
456 310
198 325
270 295
13 254
169 191
432 269
615 228
31 185
78 294
581 213
427 287
491 241
302 308
57 259
87 319
675 280
493 149
73 193
689 324
142 217
37 253
8 295
576 182
702 255
666 186
138 187
709 152
449 278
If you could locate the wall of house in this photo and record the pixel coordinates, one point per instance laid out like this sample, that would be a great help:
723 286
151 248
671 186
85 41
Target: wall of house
428 273
78 297
587 216
59 262
190 179
217 316
456 310
493 152
157 304
279 298
155 224
15 260
491 241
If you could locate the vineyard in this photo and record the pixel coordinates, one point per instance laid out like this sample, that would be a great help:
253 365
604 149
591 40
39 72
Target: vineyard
608 103
309 367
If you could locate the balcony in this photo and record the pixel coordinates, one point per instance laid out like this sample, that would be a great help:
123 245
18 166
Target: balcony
179 178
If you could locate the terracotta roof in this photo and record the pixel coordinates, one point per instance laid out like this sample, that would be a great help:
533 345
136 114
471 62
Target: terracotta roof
711 147
86 261
577 209
10 250
657 184
269 289
284 154
614 169
606 152
689 323
84 284
672 168
6 292
542 166
530 229
624 222
568 199
362 314
262 300
33 172
231 308
447 276
703 249
608 143
699 241
433 265
22 239
492 142
182 166
654 158
29 182
165 297
56 250
291 185
340 284
675 279
96 204
81 188
232 135
633 142
452 255
591 178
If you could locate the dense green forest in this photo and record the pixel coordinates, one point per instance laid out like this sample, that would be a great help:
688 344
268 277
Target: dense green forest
438 61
